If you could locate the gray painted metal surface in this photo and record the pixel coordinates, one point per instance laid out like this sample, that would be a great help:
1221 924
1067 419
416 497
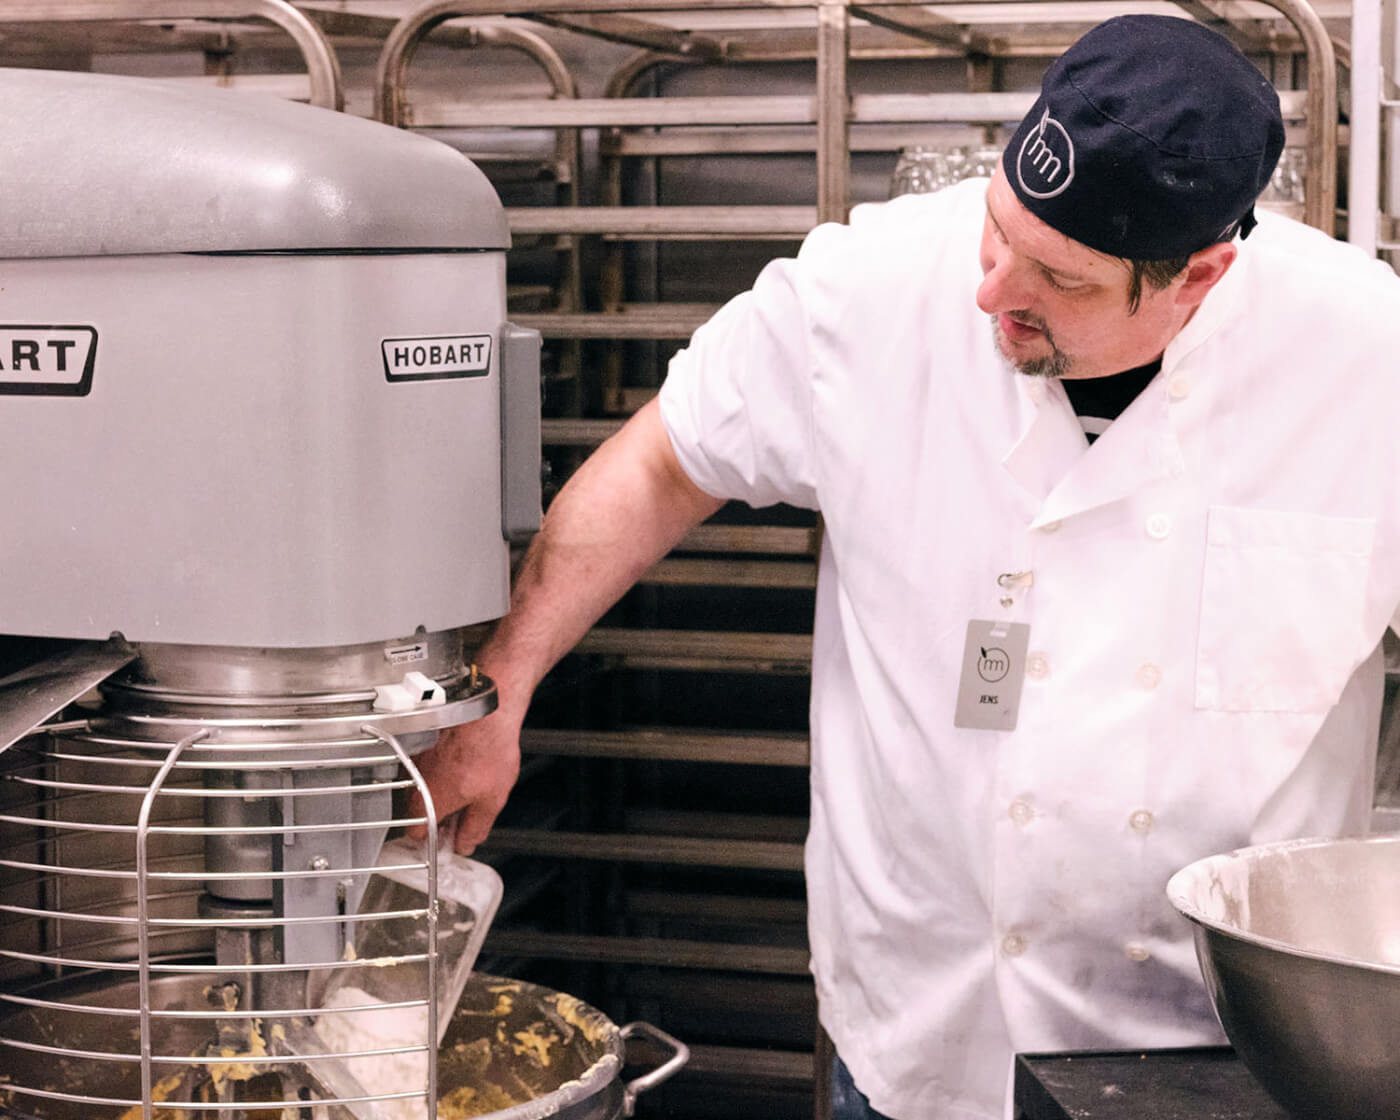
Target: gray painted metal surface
521 511
227 419
245 466
97 165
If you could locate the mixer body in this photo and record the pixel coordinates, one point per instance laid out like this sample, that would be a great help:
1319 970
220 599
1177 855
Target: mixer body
267 435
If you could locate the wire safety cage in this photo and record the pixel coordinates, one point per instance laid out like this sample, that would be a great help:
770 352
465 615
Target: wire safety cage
179 922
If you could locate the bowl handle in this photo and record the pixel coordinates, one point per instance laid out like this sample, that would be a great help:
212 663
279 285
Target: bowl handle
638 1085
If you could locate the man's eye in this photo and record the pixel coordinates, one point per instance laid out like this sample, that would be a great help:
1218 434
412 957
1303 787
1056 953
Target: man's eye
1062 286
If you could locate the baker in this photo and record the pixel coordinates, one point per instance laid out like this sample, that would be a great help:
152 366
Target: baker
1108 474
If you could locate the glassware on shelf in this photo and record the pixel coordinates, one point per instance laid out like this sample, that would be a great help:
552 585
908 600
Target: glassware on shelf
920 170
956 159
983 162
1284 193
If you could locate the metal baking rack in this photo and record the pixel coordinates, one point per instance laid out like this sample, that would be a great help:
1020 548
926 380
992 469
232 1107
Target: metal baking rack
213 27
1373 174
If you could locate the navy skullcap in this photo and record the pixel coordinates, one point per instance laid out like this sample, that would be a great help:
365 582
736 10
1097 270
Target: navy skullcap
1151 138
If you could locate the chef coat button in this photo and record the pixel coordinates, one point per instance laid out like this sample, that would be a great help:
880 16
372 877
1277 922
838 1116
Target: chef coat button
1141 821
1179 387
1037 666
1136 951
1020 812
1013 945
1149 676
1050 527
1158 526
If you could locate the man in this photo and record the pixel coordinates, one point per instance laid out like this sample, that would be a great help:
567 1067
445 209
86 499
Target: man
1047 671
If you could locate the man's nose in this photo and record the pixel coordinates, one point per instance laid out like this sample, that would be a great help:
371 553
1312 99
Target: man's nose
1003 288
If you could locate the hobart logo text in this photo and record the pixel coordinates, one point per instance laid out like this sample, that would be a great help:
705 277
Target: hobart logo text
437 357
46 360
1045 164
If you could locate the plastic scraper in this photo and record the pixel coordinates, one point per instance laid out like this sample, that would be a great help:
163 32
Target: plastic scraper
378 1000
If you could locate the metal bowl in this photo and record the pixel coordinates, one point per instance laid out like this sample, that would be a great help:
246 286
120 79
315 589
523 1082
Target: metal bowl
1299 944
513 1051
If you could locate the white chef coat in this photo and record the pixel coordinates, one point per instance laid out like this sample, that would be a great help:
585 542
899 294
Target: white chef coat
1210 581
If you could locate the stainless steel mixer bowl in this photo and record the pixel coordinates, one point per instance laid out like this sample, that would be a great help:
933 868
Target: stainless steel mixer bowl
1299 944
513 1051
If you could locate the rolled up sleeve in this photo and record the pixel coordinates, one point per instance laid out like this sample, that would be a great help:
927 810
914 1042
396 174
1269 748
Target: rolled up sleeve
737 402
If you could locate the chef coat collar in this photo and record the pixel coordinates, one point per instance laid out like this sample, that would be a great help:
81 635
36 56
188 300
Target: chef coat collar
1051 438
1050 457
1138 448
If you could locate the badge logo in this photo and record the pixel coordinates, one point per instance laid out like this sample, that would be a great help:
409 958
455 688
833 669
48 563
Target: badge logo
1045 163
994 664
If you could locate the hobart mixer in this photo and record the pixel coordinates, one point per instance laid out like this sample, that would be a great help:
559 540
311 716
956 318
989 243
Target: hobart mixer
265 434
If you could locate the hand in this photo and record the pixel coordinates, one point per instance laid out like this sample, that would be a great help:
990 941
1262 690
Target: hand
471 768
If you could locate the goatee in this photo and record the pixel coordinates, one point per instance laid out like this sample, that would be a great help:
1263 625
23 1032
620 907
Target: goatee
1054 364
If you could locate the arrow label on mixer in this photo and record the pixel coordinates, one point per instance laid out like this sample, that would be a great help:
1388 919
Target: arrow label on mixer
46 360
439 356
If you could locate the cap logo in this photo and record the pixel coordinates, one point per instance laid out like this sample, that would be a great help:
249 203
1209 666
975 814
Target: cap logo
1045 164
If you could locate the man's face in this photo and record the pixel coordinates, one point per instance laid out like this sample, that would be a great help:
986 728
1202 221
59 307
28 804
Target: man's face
1059 308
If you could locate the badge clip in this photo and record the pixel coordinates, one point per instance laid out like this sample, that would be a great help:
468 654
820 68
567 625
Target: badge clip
1011 582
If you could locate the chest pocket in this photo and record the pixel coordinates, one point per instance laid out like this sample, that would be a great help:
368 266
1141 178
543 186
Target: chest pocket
1282 609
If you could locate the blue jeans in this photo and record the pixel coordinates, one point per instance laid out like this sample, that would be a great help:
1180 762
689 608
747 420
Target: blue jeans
848 1102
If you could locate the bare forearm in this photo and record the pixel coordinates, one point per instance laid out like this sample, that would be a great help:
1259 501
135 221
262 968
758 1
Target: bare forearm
624 509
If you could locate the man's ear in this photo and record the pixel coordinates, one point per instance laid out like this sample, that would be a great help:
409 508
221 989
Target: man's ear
1203 271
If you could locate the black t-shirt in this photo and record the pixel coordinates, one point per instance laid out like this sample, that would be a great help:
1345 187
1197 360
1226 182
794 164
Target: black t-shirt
1098 401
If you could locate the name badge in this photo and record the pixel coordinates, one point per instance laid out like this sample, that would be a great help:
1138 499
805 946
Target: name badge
993 671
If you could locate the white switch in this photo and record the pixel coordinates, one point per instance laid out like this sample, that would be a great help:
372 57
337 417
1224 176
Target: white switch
416 690
428 692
